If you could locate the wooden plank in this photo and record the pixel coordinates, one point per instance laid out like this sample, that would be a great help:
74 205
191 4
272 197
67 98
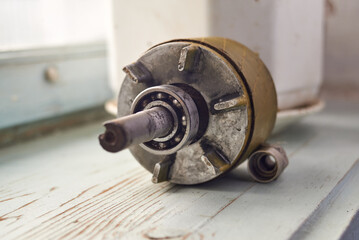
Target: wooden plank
66 187
337 206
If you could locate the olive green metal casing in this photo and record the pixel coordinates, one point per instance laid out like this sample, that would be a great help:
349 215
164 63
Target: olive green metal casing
259 85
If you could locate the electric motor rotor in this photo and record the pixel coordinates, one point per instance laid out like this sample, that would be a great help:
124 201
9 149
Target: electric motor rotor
190 110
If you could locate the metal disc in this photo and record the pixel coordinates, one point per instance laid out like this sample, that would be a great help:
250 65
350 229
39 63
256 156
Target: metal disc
225 96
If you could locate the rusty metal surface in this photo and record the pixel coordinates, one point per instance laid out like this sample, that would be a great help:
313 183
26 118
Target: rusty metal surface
233 91
136 128
259 84
267 163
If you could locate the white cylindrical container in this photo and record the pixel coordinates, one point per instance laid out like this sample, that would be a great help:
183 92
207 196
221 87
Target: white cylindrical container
287 34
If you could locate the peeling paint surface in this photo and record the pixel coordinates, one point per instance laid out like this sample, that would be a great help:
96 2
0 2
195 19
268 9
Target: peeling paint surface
65 186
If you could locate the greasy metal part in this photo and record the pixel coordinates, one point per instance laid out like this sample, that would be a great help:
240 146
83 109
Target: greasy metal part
267 163
189 58
184 112
216 84
138 72
215 160
258 82
230 104
161 170
136 128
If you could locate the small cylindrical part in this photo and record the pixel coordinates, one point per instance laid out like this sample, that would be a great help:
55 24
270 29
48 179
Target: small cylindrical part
136 128
267 163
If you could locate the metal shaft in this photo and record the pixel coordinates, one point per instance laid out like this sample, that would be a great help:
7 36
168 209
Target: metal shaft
136 128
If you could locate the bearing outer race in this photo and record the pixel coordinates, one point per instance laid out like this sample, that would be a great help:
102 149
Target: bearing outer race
190 112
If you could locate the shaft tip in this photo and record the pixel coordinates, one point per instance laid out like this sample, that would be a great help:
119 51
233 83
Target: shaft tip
112 140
